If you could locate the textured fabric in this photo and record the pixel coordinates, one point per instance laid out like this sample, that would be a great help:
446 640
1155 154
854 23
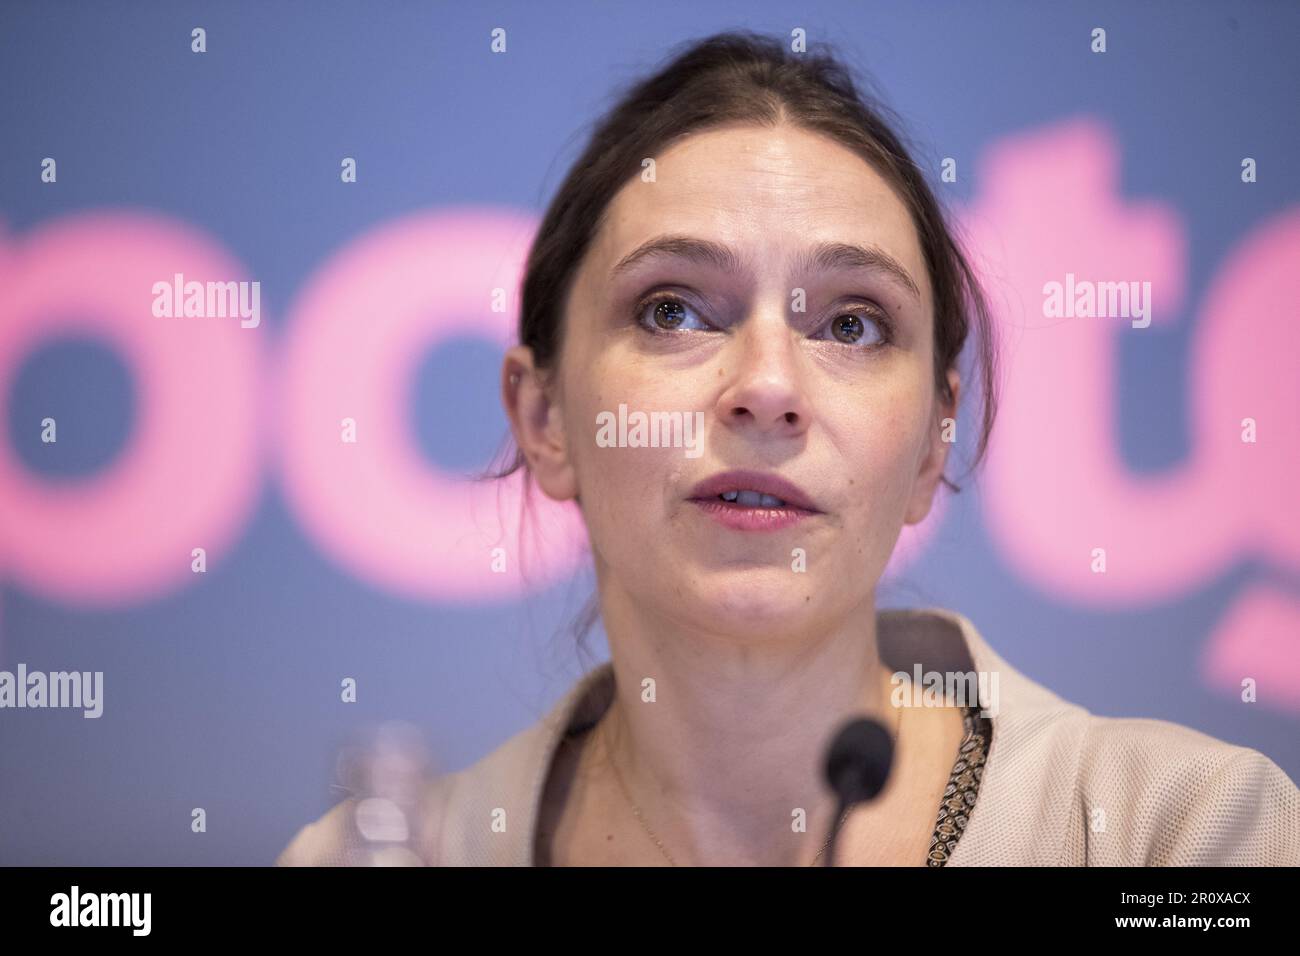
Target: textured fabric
962 791
1060 786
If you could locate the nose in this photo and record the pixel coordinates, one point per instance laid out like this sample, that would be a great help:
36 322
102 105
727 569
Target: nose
766 392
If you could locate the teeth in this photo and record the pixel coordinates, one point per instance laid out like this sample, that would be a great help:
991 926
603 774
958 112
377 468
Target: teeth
752 499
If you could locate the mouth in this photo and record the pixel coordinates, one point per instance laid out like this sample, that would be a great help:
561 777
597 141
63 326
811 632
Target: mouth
753 501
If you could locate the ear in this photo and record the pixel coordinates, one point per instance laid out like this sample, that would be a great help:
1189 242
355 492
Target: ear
934 454
537 423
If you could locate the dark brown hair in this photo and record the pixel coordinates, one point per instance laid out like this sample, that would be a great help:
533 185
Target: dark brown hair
744 78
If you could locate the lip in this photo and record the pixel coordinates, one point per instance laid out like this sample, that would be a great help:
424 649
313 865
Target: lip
760 481
798 505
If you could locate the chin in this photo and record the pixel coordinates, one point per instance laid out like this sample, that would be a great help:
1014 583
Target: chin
752 602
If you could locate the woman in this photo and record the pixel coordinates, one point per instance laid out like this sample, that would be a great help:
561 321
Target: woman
746 245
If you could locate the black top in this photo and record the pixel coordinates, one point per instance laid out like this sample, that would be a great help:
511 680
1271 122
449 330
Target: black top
963 786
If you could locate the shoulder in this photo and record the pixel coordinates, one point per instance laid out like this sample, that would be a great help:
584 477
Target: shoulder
326 841
1156 793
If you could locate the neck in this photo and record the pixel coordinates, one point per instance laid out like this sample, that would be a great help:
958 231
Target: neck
735 739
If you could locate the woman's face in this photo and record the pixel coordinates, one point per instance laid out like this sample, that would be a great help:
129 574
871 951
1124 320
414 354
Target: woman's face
817 371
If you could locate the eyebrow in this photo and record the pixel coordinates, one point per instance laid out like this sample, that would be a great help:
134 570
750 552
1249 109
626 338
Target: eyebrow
823 257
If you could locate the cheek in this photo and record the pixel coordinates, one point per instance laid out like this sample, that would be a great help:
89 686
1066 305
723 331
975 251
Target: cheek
623 492
621 488
877 439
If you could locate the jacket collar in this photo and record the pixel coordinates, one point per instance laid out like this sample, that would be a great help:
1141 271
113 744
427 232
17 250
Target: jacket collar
1023 807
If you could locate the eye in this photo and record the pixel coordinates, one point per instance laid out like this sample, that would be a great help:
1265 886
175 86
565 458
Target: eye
667 313
855 328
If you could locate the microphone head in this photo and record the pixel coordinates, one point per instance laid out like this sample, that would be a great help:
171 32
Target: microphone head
859 760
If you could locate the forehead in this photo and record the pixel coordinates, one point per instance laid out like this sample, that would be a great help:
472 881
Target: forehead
768 193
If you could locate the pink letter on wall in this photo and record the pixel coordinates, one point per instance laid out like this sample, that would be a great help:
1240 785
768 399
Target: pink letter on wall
190 471
375 505
1058 489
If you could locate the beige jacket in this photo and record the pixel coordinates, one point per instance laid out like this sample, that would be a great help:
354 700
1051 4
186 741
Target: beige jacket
1061 787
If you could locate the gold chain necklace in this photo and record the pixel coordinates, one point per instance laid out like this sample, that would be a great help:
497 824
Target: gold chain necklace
898 727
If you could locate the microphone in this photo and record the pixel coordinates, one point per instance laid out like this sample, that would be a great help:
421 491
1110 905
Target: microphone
857 765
